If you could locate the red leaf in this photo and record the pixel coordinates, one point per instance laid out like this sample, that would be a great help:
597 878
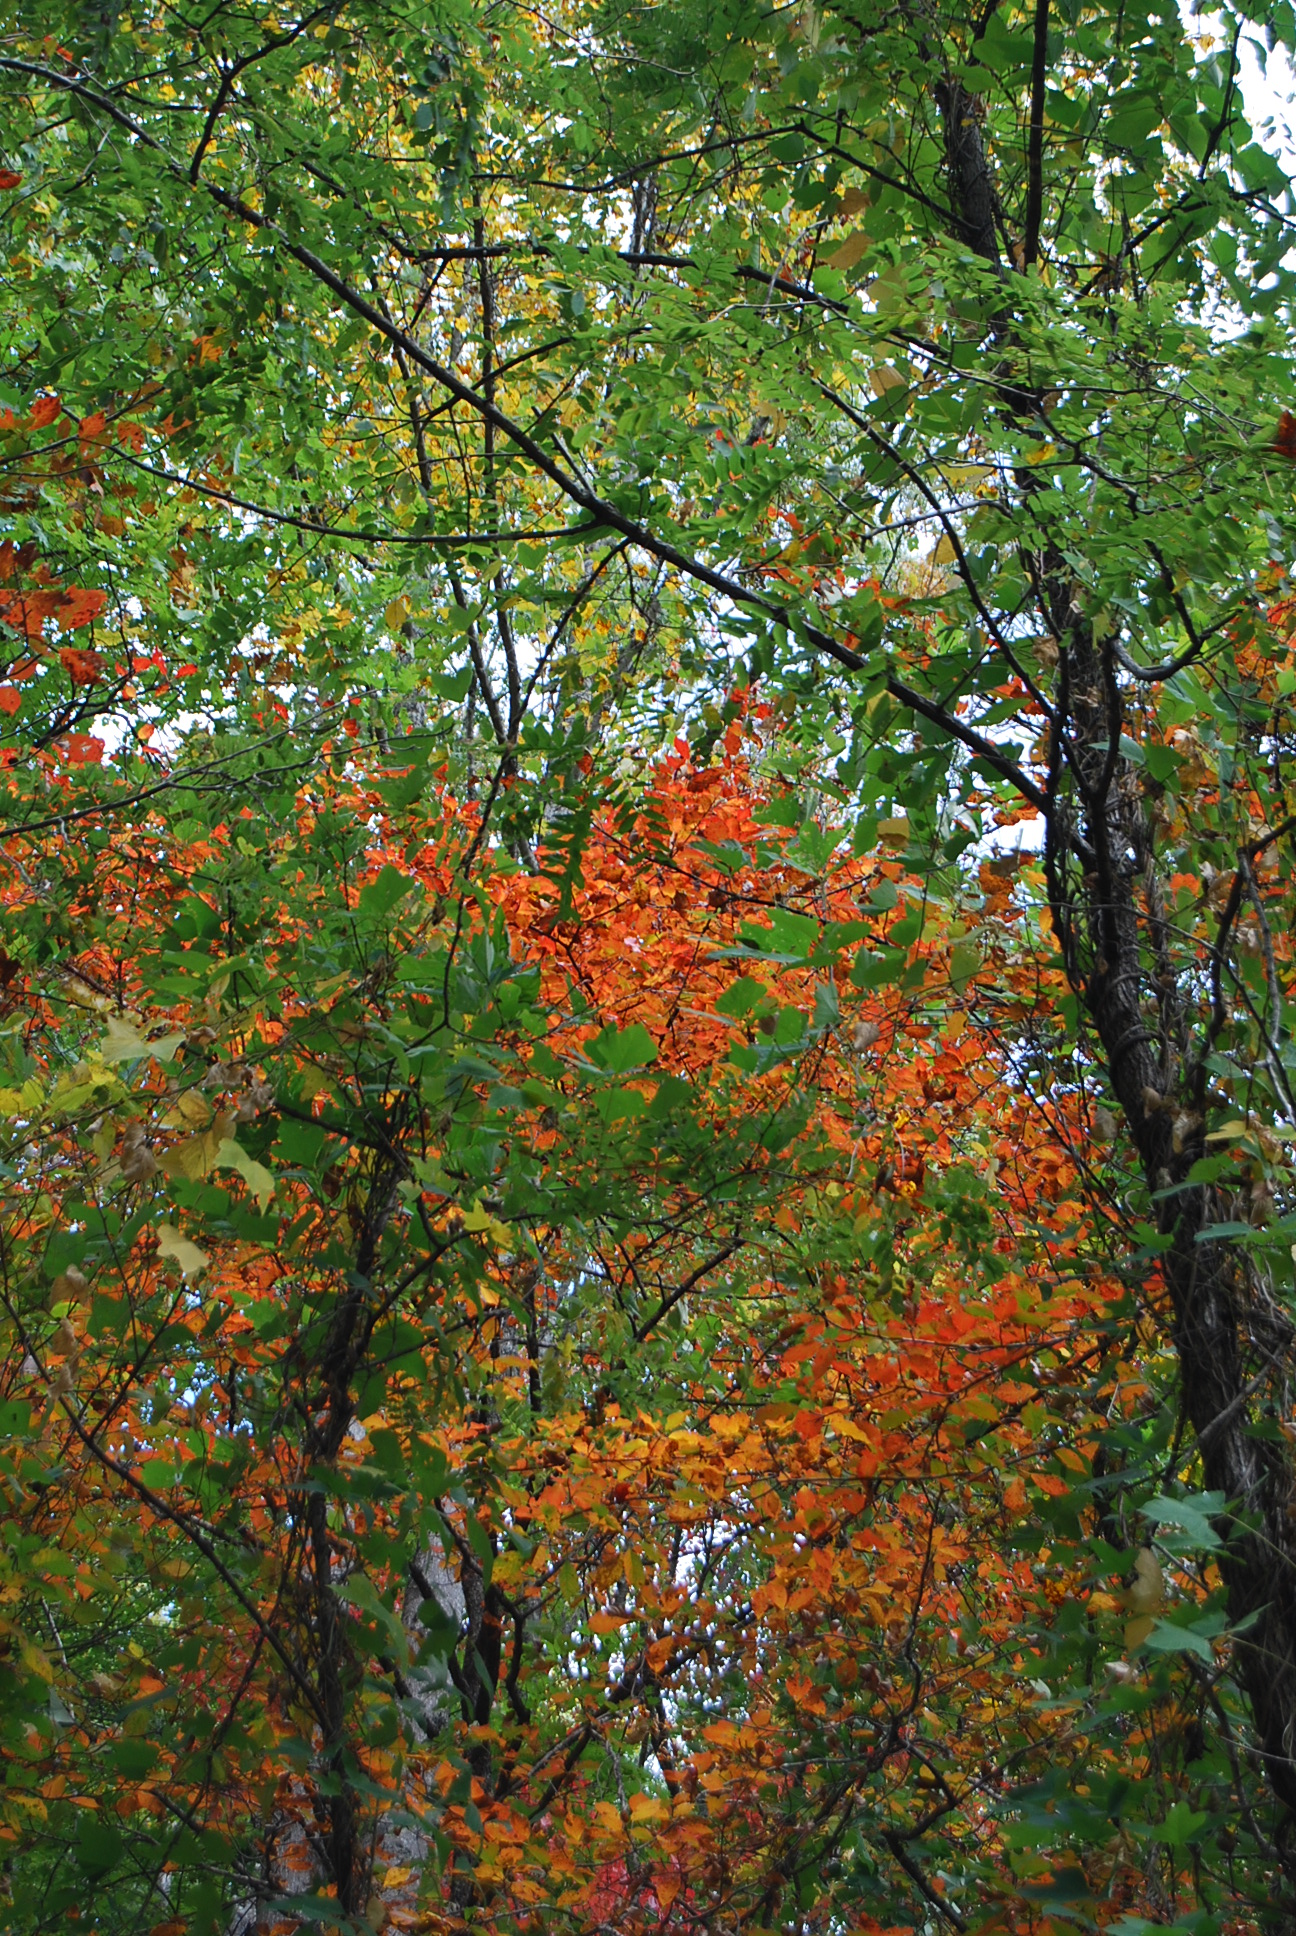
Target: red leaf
83 668
81 749
1285 442
8 179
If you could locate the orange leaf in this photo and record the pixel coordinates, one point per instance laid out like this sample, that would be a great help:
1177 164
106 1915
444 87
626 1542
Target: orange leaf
27 611
10 699
78 607
83 668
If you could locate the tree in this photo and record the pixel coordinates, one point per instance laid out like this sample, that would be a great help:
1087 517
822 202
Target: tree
517 1359
898 372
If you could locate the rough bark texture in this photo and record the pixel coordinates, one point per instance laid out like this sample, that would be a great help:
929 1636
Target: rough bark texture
972 189
1234 1344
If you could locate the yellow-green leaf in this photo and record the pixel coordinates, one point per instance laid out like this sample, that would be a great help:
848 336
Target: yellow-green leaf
179 1249
851 250
232 1156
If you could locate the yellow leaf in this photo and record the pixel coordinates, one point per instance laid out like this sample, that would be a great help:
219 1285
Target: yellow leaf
192 1159
479 1220
854 201
122 1043
35 1660
396 614
189 1111
1148 1590
179 1249
21 1102
188 1161
851 250
960 474
82 996
232 1156
945 554
32 1803
884 378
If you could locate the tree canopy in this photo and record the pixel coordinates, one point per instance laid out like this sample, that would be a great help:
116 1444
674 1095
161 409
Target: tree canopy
646 1088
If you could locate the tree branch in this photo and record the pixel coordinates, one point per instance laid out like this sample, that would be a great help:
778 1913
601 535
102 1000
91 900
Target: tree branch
1035 144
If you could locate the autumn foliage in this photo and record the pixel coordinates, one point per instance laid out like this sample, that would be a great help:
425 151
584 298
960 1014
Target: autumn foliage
734 1418
646 679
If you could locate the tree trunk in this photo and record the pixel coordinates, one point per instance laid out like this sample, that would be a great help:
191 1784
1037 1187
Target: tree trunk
1234 1345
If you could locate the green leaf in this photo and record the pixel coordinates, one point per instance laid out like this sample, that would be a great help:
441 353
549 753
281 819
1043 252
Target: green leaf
965 961
452 685
1179 1827
99 1846
1193 1516
134 1758
789 936
386 892
741 997
1183 1634
621 1050
403 791
441 1631
877 967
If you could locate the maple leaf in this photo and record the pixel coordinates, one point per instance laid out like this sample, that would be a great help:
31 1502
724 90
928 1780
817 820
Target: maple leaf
83 668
